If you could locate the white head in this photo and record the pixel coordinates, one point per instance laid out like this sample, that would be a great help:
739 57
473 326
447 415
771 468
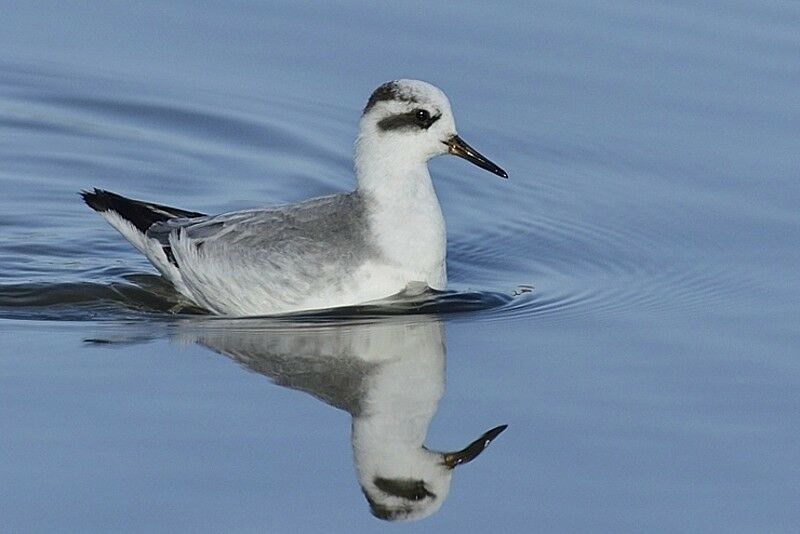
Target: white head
406 123
403 480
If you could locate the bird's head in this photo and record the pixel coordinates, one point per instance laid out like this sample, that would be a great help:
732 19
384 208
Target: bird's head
411 121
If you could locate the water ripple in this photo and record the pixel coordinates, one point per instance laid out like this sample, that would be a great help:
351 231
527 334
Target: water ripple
144 295
605 254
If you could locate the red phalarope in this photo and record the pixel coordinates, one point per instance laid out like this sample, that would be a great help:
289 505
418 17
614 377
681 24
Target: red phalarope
337 250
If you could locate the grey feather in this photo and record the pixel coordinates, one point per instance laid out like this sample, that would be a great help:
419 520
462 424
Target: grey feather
304 247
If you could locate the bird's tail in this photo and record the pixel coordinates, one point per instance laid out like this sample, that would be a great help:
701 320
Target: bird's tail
142 215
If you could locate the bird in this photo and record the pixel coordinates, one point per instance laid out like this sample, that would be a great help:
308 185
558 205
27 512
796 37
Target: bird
382 239
388 375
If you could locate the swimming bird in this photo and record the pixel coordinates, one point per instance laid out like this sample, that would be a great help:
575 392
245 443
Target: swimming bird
386 236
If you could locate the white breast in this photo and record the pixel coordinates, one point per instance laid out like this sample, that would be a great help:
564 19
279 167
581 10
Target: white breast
407 227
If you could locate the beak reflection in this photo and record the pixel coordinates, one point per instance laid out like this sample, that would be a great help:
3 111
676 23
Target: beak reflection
471 451
459 147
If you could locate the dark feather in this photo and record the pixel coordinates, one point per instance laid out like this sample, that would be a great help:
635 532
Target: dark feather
388 91
140 214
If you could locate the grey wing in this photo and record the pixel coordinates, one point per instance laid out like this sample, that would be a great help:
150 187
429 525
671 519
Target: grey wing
279 255
213 228
308 361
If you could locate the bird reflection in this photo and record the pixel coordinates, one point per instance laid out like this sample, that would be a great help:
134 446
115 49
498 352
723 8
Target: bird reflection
389 376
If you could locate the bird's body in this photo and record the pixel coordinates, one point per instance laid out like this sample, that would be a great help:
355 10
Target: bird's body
385 237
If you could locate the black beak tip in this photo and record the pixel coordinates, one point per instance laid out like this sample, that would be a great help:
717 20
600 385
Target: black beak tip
459 147
474 449
493 433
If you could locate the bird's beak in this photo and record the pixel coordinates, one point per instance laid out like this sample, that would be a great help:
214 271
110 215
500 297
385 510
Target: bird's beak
458 147
471 451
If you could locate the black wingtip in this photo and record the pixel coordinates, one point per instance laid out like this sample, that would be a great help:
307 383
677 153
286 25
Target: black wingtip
140 214
98 199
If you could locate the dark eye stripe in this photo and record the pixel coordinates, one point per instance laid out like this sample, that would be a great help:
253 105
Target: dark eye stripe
406 120
405 488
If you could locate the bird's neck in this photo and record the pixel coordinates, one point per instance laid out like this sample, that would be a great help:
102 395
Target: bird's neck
405 216
400 399
389 177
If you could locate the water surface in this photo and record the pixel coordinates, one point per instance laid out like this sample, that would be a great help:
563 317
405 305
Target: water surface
627 302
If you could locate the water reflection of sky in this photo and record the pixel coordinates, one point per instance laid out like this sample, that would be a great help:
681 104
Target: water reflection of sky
649 378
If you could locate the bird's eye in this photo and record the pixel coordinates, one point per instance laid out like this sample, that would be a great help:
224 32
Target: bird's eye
422 116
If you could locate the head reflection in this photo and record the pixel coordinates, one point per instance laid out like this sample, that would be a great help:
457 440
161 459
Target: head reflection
388 375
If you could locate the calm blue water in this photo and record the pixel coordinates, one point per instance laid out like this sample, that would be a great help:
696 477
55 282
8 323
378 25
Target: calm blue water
627 302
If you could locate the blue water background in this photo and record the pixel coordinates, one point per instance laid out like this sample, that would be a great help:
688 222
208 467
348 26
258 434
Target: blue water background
649 378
